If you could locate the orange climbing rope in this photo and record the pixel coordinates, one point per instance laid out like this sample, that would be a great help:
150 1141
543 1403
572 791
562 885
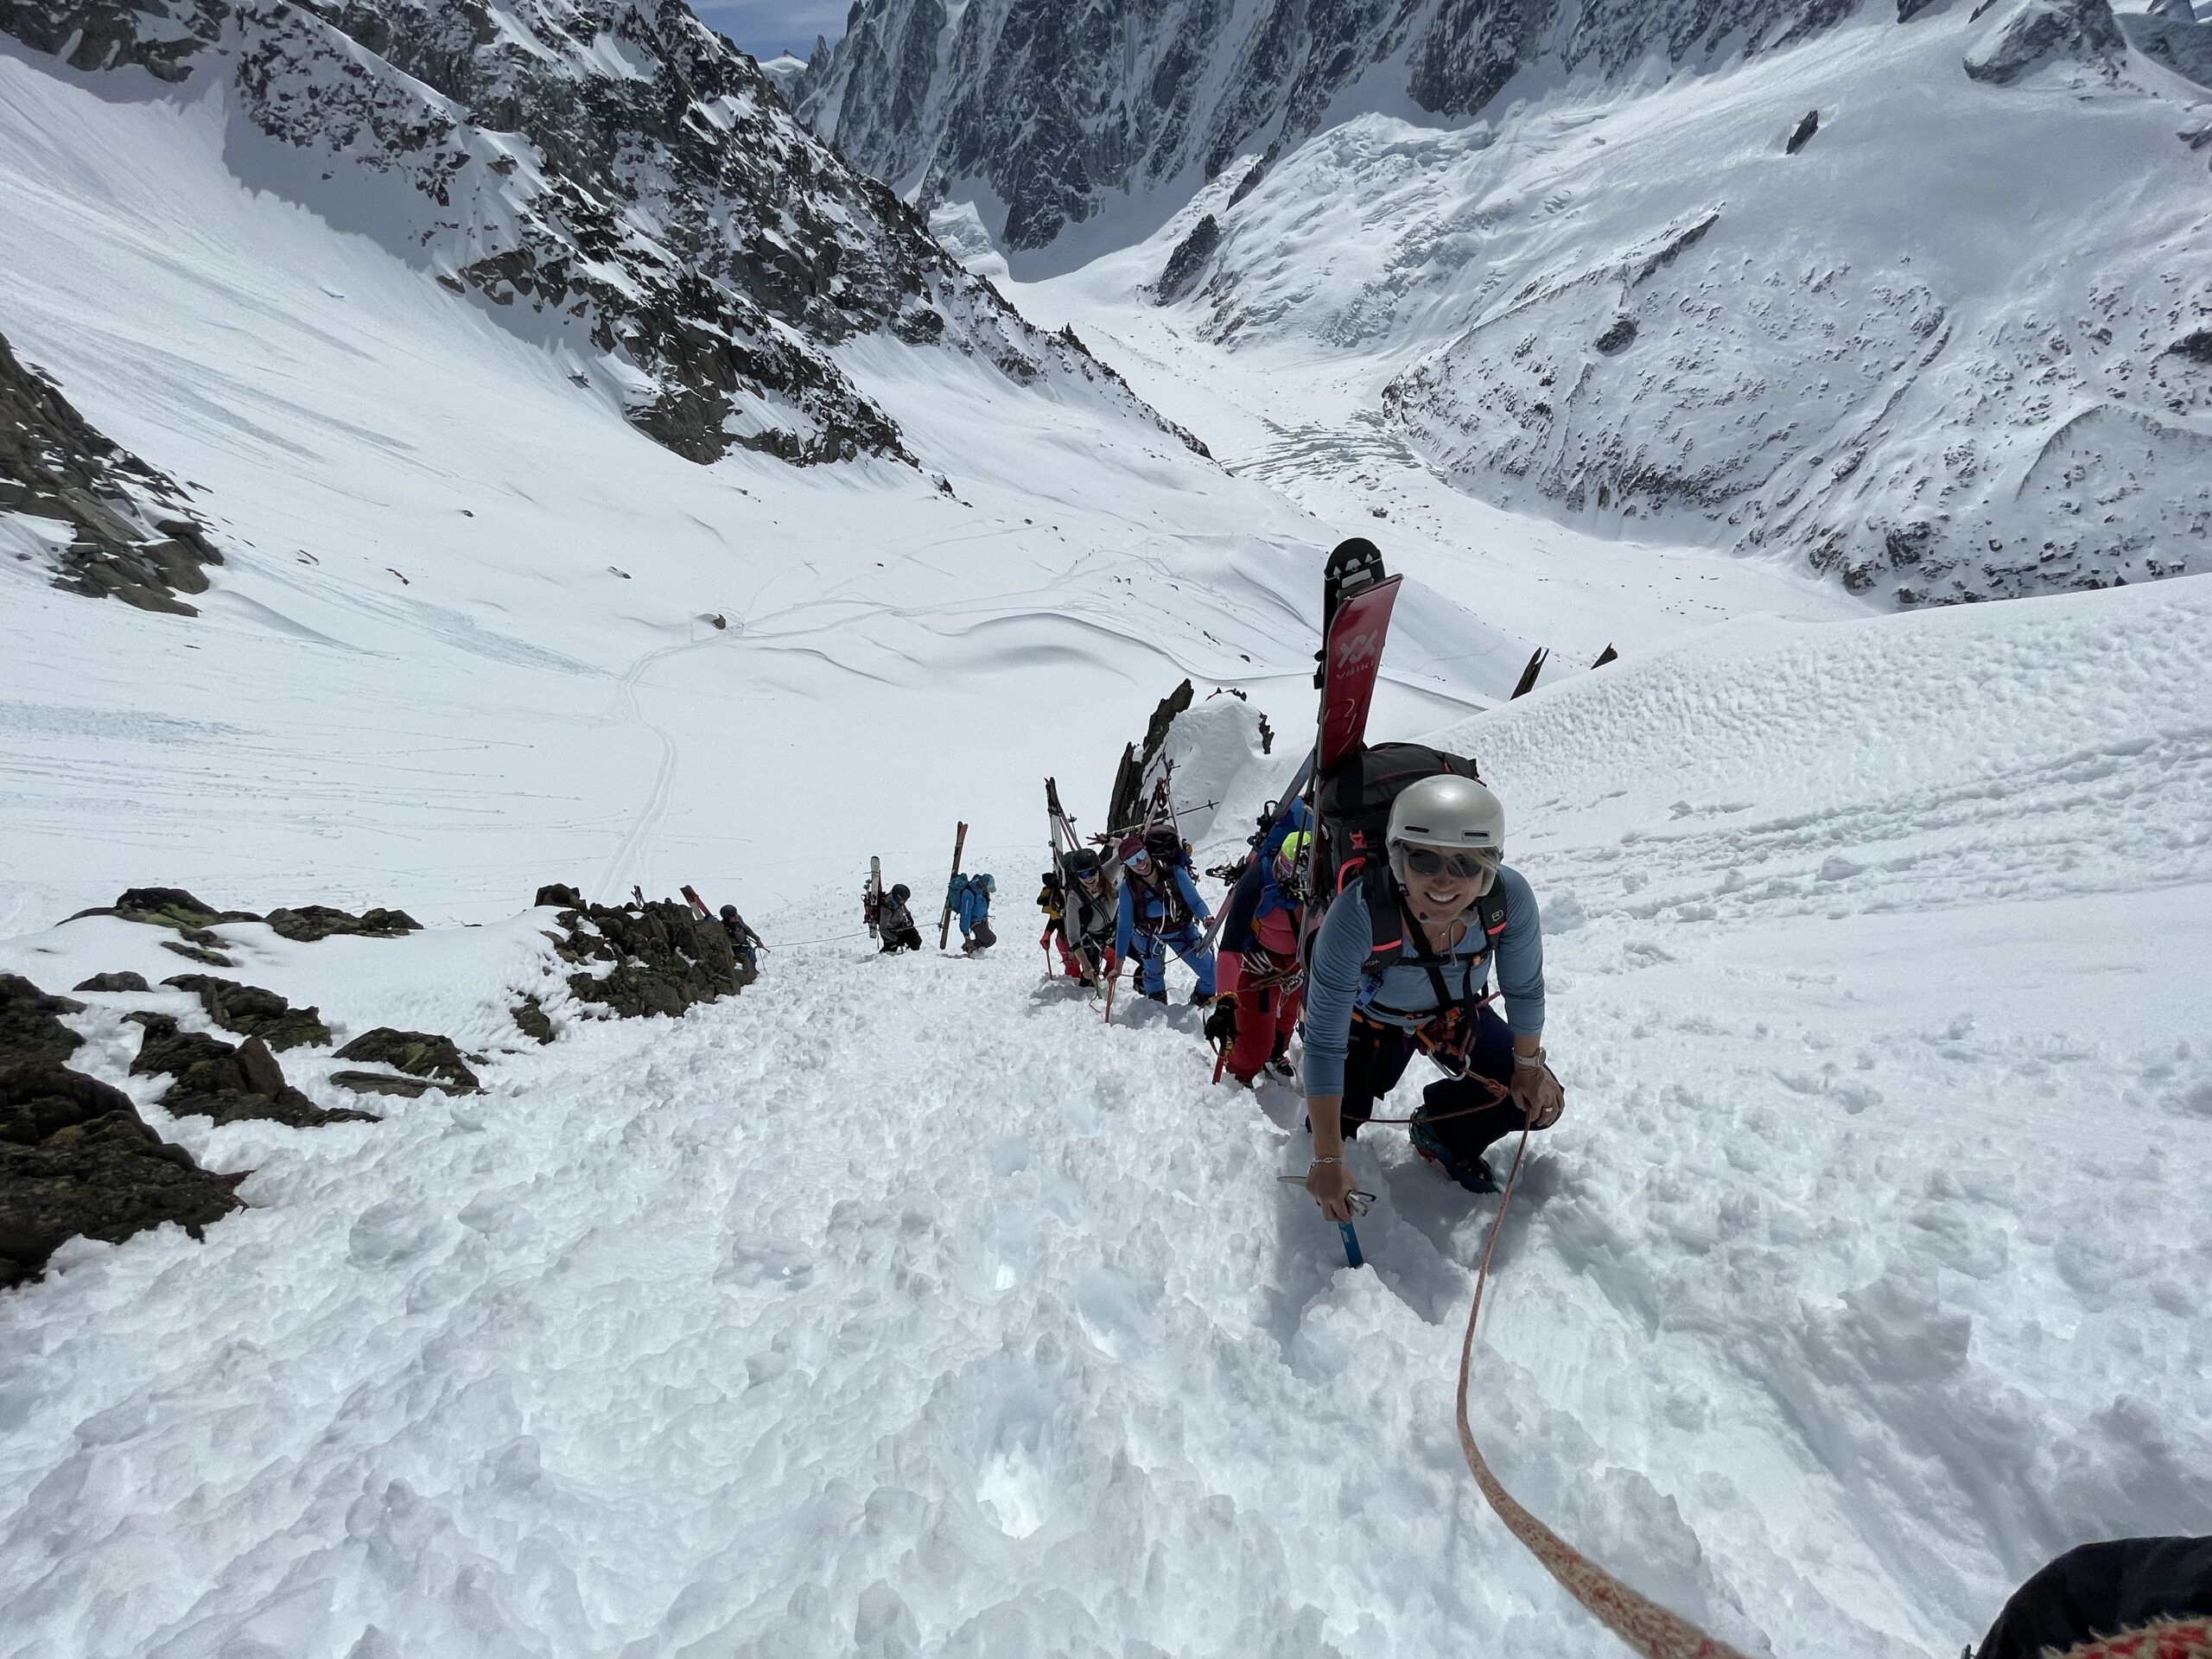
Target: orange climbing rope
1655 1631
1658 1632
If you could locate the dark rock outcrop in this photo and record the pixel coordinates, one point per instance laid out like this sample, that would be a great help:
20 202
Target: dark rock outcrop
2034 33
129 535
167 907
121 982
386 1083
418 1053
76 1159
213 1078
1127 805
1188 263
252 1012
175 908
308 923
530 1017
664 957
30 1026
1802 135
160 36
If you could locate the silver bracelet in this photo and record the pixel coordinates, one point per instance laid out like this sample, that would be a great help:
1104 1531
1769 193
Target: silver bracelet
1338 1161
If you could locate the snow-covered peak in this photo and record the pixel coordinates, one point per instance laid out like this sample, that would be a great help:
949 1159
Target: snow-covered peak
783 71
1928 307
614 181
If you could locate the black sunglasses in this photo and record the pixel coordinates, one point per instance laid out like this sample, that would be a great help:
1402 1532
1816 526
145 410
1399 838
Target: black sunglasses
1461 866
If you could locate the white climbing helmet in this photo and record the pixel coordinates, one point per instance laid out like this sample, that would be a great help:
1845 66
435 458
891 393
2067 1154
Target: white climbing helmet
1453 815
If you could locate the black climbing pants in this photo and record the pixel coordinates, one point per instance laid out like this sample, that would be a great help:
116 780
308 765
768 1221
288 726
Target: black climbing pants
904 938
1379 1055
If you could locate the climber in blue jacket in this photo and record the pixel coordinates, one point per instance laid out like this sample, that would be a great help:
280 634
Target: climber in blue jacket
971 898
1160 910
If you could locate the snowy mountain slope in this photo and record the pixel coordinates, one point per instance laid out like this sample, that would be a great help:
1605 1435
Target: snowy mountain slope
1951 348
906 1307
464 638
1106 112
618 185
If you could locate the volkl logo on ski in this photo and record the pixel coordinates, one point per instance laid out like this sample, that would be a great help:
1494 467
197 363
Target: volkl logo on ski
1357 649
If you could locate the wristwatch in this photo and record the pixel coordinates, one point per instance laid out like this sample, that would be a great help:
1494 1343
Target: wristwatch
1528 1062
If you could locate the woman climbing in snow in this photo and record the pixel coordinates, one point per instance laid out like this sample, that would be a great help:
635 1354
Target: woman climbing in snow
1160 911
1083 916
1404 960
896 922
1258 972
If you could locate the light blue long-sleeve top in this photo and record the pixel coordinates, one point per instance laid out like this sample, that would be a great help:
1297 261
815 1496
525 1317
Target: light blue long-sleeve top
1335 986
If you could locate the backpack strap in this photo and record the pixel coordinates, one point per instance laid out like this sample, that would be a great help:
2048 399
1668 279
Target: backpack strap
1395 936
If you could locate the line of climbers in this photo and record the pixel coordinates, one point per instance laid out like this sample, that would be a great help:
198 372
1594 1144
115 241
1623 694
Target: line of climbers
1400 964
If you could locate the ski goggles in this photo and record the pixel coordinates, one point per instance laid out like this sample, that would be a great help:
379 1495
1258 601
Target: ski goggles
1140 860
1467 864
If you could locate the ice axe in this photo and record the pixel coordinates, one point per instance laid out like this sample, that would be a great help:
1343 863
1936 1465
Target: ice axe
1359 1201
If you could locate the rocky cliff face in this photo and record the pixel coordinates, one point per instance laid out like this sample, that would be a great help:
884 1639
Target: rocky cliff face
86 513
1058 105
614 181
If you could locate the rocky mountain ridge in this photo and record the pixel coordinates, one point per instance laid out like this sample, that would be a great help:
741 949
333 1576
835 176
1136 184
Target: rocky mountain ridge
1060 108
1714 312
613 181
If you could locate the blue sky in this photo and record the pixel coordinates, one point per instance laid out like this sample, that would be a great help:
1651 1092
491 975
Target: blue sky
764 28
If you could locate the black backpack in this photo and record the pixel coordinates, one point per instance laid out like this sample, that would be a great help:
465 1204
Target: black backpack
1356 798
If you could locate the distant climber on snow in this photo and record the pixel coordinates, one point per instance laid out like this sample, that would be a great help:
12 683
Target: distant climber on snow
895 922
742 939
1160 911
1403 960
1258 972
969 897
1081 903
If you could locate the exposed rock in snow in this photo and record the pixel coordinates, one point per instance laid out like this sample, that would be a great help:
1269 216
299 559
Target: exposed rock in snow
1188 261
250 1011
2169 34
2036 32
662 958
231 1082
1055 109
100 520
76 1159
160 36
617 181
